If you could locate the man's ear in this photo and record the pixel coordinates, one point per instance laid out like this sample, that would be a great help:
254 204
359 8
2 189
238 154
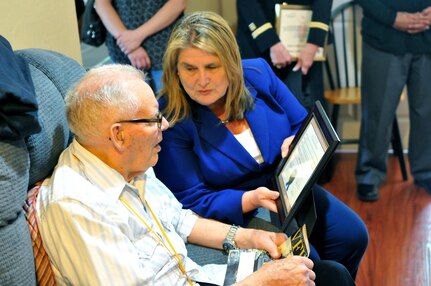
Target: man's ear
117 136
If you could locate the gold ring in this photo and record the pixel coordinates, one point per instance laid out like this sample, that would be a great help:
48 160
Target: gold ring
278 66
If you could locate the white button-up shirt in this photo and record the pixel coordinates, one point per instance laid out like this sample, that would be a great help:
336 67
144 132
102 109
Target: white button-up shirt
92 238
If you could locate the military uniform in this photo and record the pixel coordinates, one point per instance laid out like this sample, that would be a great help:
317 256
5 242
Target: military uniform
256 34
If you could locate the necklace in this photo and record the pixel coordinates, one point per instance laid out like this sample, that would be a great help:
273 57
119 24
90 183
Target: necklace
171 249
226 121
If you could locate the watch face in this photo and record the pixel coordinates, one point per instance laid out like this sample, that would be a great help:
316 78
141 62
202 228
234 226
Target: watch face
227 245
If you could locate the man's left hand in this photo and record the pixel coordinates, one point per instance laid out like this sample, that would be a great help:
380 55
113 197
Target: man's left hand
306 58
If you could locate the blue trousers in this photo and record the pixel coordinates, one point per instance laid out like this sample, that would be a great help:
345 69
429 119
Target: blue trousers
157 79
339 234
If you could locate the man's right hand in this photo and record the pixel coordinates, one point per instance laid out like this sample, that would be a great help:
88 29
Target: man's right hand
294 270
280 56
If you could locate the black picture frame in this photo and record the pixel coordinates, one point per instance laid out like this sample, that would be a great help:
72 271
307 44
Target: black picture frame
310 151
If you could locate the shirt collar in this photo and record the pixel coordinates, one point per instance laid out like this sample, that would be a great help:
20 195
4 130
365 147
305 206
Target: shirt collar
100 174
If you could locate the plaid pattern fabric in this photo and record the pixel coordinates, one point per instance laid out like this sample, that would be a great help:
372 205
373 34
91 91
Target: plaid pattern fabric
44 274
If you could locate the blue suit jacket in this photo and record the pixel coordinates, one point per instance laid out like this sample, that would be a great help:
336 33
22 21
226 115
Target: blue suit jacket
204 165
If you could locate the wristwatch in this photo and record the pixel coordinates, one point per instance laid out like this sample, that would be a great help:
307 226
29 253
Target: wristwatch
229 240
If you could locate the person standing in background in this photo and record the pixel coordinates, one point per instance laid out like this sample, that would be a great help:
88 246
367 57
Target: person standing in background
139 30
257 37
396 51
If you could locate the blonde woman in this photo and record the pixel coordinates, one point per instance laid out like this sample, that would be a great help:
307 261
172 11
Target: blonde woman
231 121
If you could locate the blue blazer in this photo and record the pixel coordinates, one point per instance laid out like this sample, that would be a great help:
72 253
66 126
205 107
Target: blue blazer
205 166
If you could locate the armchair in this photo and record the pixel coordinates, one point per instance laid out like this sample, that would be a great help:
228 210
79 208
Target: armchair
23 162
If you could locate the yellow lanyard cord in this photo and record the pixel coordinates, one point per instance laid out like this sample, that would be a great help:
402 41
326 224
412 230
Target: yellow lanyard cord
180 264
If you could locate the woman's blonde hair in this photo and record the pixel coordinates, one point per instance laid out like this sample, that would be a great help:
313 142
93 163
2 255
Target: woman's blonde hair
209 32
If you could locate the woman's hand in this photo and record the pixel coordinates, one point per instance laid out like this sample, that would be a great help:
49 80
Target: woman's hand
260 197
128 40
285 146
140 59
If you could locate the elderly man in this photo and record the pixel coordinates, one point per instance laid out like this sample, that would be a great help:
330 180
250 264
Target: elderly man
105 219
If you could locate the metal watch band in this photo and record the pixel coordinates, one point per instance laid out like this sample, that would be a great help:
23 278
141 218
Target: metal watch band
229 241
232 232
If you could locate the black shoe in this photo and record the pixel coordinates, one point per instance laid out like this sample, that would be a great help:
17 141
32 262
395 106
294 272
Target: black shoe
426 184
367 193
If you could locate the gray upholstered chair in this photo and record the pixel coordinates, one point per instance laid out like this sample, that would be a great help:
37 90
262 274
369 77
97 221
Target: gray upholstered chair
24 162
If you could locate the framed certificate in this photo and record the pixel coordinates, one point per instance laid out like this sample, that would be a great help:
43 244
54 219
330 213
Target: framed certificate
292 26
310 151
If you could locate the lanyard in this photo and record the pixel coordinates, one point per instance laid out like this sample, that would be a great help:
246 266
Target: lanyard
171 249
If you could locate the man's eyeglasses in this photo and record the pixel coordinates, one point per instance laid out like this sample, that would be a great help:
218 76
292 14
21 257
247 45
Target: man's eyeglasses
158 119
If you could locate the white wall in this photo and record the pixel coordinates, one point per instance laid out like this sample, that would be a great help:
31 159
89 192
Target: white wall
226 8
46 24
